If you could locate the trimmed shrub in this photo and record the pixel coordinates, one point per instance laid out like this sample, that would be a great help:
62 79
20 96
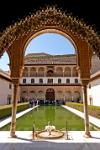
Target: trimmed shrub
93 110
6 110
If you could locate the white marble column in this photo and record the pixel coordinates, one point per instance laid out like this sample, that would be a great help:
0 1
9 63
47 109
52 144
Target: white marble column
14 108
86 115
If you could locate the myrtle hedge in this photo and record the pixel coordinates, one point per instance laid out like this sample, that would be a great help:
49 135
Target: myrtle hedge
6 110
93 110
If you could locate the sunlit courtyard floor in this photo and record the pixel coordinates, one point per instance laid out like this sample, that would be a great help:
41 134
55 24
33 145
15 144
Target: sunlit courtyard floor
73 136
24 140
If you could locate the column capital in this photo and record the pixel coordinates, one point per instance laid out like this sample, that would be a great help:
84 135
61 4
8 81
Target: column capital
85 82
15 81
16 71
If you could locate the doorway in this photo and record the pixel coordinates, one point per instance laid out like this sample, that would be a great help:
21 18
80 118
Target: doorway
50 95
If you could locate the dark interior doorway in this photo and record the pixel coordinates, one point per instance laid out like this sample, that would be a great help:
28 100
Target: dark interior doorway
50 94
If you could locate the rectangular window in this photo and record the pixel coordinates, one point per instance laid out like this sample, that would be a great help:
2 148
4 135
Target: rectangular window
50 80
40 80
59 80
32 81
67 80
24 80
76 80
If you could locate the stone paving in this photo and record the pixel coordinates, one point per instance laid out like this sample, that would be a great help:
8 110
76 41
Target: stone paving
24 141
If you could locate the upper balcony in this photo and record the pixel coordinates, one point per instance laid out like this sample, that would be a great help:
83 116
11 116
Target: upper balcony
51 71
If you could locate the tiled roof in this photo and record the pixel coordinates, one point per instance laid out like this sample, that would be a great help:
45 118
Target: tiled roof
50 59
43 58
37 55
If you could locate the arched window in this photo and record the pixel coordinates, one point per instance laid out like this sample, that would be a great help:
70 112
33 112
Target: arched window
32 72
41 72
50 73
32 94
25 72
50 94
60 95
24 95
40 95
67 72
75 72
76 96
24 91
68 96
59 72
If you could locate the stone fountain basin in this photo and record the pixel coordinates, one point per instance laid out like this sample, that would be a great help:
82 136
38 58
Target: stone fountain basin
54 134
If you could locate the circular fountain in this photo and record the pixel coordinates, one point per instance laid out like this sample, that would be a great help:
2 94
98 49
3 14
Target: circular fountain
50 132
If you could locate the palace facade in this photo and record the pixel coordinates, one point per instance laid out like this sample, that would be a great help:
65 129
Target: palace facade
50 77
94 84
6 88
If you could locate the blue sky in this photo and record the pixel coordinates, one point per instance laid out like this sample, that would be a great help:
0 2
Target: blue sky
51 43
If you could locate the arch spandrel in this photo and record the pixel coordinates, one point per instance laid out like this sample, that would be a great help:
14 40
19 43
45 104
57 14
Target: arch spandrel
84 60
16 60
50 16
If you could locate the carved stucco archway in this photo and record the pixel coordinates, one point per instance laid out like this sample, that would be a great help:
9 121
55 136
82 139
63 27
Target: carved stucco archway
51 19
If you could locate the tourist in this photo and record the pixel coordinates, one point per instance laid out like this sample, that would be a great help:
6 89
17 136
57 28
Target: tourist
35 102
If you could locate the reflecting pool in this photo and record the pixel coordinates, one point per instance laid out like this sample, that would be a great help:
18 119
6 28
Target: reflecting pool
56 115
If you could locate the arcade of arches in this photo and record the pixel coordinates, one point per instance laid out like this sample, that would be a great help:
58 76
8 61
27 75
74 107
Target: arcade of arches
66 94
15 38
55 71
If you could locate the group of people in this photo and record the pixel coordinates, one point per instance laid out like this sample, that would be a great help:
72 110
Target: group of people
51 102
33 102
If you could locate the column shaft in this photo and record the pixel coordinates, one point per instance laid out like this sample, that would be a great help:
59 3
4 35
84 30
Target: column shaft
86 116
14 109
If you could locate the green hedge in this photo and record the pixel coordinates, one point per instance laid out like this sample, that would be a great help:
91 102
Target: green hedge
93 110
6 110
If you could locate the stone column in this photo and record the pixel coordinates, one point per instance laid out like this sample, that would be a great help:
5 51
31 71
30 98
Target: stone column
14 107
85 101
36 72
63 71
71 72
45 72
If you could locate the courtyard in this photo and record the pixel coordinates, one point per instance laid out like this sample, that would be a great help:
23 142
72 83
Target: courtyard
46 82
70 140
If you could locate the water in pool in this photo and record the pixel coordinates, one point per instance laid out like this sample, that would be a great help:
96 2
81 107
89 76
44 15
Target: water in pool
43 114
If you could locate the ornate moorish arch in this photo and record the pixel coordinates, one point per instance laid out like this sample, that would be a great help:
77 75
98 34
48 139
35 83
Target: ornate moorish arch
50 19
15 37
